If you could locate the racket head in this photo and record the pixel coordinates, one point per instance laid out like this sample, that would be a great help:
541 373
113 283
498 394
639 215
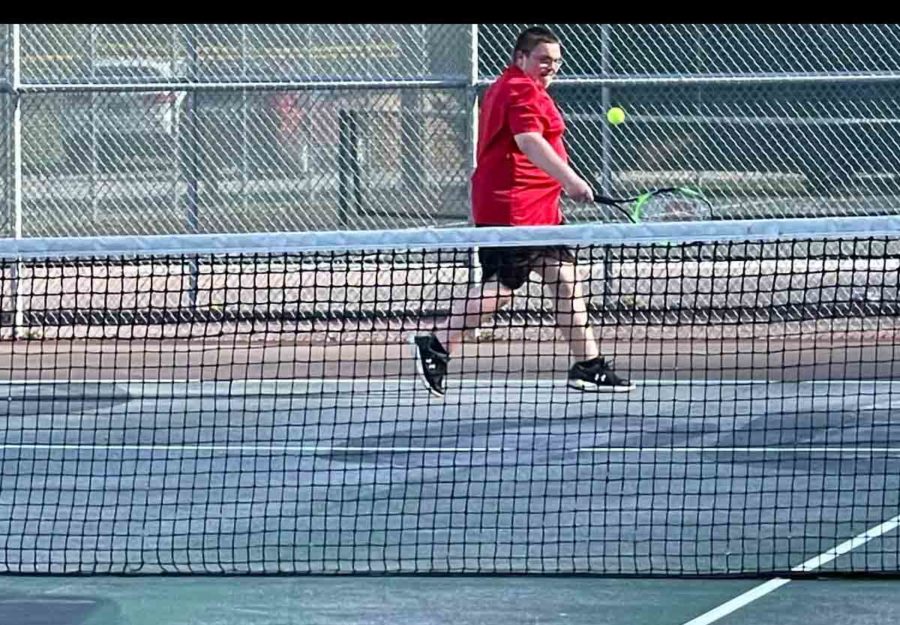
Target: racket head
675 204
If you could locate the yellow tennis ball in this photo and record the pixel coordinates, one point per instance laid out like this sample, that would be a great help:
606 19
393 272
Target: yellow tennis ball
615 116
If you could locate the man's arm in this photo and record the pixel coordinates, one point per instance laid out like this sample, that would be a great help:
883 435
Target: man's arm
541 153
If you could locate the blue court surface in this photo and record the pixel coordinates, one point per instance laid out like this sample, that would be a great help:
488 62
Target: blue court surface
677 477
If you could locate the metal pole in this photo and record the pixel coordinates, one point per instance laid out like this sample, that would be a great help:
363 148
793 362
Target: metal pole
606 132
17 135
245 130
94 170
18 268
413 152
697 150
472 156
176 118
605 153
190 160
7 138
473 100
350 175
190 119
344 181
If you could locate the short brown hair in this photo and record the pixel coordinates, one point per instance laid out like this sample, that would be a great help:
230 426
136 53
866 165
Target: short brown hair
530 38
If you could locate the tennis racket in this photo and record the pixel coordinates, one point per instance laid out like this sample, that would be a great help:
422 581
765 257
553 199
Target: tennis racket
666 204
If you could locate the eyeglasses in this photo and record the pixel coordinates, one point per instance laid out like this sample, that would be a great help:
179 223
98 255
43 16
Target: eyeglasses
547 61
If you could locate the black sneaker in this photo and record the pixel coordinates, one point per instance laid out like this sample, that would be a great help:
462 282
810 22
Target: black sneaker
596 376
431 362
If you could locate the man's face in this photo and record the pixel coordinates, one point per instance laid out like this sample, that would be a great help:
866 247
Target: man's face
542 63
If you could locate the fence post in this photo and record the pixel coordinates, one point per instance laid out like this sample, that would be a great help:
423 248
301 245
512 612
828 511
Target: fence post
472 152
413 148
606 133
189 147
94 172
472 111
19 330
350 184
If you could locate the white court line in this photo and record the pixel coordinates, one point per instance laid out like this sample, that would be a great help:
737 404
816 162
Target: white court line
52 601
849 381
881 406
489 378
749 450
810 565
319 448
496 378
239 448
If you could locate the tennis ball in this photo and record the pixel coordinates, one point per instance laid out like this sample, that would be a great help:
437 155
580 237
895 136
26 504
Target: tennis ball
615 116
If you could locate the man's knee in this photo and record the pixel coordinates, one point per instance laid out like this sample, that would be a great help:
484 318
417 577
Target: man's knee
494 289
559 275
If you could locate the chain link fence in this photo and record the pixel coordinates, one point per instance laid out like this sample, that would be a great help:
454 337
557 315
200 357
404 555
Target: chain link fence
243 53
6 135
801 150
144 129
769 120
247 161
705 50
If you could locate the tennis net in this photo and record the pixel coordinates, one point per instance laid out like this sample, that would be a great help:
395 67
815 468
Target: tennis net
247 404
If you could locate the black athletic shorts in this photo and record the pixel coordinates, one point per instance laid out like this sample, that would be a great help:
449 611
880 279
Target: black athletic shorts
511 266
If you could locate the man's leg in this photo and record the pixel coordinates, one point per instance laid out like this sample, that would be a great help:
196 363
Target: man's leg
589 372
432 351
561 279
482 301
503 270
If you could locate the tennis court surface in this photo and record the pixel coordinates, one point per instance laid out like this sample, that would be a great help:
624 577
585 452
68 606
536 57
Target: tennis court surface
247 404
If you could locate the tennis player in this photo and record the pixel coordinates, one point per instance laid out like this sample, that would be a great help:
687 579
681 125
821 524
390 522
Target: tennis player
521 172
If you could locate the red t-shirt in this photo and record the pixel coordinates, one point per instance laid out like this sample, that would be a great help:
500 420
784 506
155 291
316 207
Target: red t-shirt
507 188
